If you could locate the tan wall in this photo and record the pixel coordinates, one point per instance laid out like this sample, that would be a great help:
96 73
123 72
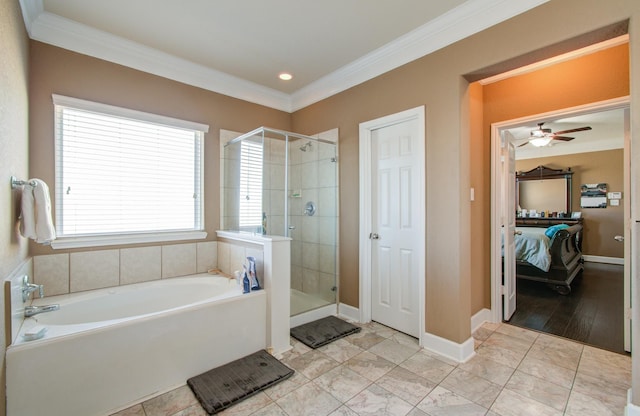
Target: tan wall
14 147
455 160
58 71
600 224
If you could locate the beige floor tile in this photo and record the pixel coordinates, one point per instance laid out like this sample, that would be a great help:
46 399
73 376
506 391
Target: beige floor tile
270 410
517 332
287 386
443 402
376 401
488 369
308 400
136 410
342 383
170 403
508 342
340 350
406 385
564 357
369 365
427 366
509 403
546 371
365 339
471 387
312 364
549 340
482 333
195 410
394 351
501 355
382 330
344 411
601 389
584 405
537 389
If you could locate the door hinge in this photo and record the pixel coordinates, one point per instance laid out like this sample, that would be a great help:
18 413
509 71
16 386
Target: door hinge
627 313
503 290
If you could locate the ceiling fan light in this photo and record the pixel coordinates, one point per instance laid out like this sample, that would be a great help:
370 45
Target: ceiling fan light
540 141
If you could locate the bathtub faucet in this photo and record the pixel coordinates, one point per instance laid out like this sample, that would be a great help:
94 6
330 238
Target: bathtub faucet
34 310
27 288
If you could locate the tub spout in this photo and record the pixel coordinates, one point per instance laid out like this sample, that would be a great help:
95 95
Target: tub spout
34 310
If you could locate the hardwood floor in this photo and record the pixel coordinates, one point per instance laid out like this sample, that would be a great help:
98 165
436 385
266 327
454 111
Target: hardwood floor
593 312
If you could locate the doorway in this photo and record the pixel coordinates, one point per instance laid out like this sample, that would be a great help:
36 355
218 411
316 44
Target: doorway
392 225
499 202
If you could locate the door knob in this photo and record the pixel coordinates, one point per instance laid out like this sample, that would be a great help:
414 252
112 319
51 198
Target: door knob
374 236
517 232
618 238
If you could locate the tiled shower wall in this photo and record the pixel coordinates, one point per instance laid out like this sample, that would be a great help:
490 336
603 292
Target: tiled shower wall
87 270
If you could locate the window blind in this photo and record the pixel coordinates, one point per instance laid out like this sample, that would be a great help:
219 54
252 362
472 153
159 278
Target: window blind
120 171
250 185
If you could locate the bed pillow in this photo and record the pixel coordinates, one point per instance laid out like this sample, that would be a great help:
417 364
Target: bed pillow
551 231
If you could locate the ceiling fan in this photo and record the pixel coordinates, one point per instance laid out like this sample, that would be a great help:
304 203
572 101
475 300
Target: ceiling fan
542 137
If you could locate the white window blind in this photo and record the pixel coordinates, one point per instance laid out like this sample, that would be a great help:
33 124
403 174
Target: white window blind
250 185
120 171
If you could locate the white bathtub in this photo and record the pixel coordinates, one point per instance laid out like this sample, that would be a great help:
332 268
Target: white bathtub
107 349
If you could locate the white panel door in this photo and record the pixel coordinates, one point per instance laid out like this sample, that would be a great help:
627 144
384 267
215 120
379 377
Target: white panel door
509 229
396 231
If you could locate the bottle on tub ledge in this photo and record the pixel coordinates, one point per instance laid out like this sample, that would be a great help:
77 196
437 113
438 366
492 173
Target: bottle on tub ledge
250 277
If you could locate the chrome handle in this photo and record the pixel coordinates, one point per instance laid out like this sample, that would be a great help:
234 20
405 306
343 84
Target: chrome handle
517 232
619 238
374 236
292 227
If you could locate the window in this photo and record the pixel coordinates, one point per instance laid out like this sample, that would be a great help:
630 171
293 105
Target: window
124 174
250 185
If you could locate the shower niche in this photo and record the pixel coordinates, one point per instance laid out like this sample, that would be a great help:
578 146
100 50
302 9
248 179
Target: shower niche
281 183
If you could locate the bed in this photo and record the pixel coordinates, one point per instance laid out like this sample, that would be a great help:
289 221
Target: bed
550 255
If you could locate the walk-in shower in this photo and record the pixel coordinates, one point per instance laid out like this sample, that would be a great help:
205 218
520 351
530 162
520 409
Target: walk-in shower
282 183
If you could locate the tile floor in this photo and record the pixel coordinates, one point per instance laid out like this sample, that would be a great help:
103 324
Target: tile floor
380 371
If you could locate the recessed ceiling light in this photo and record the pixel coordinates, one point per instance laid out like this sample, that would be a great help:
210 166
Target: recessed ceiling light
285 76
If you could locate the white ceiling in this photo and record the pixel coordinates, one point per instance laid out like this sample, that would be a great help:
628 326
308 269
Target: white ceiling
238 47
607 133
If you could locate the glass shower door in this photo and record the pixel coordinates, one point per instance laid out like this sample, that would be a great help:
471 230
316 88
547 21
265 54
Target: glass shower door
312 223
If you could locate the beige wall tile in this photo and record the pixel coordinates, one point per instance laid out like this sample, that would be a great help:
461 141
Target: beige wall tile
94 270
178 260
223 256
52 271
140 264
207 256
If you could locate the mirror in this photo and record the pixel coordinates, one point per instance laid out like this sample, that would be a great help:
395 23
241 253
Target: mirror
544 189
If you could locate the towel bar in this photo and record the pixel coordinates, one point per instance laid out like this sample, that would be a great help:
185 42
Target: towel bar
15 182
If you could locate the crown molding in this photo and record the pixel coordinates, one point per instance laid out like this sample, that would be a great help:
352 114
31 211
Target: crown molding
471 17
465 20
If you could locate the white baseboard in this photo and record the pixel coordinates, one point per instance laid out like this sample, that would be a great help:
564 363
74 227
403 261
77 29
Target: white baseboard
603 259
457 352
313 315
482 316
631 409
349 312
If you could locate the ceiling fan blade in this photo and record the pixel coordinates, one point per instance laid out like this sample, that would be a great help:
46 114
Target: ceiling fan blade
572 130
563 138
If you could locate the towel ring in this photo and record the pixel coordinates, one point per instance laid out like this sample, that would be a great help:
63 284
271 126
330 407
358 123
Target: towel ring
15 182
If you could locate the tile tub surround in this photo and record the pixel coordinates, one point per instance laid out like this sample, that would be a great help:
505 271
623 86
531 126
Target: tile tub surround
86 270
515 372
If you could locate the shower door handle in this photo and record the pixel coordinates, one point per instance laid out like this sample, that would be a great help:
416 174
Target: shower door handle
292 227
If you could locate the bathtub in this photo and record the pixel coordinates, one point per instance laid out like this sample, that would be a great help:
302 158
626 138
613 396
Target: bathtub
107 349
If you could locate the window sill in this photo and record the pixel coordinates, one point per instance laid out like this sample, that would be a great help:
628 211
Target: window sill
123 239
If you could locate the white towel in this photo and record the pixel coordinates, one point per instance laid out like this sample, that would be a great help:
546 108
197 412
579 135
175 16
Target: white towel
28 214
37 223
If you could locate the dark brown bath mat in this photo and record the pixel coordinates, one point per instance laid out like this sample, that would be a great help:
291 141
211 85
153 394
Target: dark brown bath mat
323 331
226 385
